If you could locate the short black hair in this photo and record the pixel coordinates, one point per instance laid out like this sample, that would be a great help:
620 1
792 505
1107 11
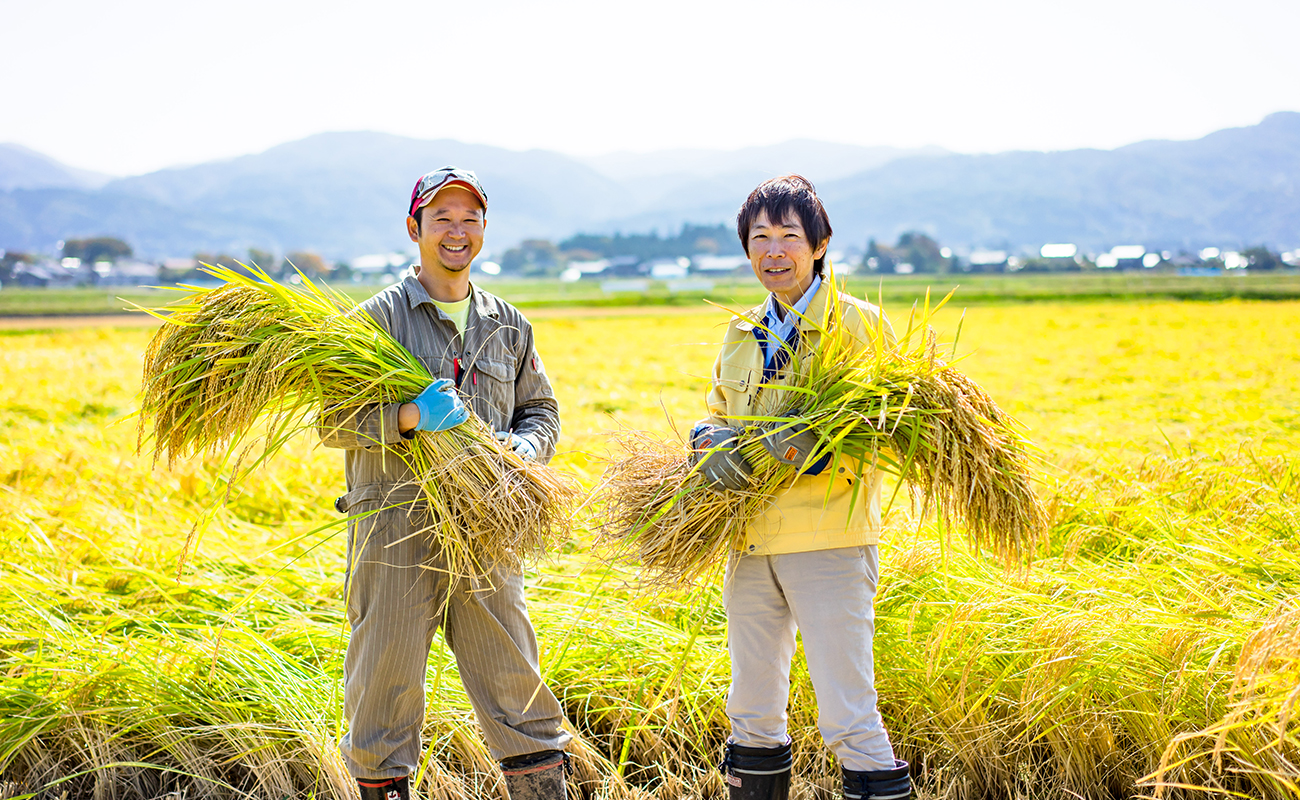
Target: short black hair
779 197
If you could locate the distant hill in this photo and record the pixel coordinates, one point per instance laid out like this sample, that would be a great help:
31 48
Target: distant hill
21 168
343 194
1239 186
36 219
672 187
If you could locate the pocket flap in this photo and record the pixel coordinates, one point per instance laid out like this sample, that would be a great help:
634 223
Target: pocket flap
737 379
500 370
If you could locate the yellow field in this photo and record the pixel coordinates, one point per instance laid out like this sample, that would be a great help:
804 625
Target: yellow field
1089 380
1169 427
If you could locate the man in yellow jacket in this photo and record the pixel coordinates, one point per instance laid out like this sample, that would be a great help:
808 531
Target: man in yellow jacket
809 563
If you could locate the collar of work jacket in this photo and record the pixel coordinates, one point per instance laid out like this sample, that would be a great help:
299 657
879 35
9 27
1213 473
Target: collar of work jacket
416 294
816 311
483 325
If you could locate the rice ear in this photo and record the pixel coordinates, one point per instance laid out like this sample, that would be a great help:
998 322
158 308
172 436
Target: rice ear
961 454
254 359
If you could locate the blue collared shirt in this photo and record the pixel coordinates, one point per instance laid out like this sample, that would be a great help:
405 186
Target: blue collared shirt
782 328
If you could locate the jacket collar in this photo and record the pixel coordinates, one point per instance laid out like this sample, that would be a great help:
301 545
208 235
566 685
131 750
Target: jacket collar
816 313
485 303
482 301
816 309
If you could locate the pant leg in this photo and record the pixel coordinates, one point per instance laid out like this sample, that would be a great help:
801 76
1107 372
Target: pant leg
488 629
831 593
392 604
760 639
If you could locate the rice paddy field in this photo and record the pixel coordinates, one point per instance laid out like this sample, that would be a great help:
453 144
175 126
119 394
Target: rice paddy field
1151 649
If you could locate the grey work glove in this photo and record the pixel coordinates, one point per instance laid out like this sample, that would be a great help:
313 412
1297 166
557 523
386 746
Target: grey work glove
713 448
792 443
522 447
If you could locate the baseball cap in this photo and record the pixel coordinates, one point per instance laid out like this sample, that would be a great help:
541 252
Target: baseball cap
429 185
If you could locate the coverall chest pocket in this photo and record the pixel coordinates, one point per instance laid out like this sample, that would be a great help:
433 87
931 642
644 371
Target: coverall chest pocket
492 387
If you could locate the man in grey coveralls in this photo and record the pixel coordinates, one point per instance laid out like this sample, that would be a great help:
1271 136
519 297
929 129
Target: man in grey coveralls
481 350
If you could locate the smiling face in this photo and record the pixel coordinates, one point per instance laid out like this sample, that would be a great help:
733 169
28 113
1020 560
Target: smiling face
450 232
782 256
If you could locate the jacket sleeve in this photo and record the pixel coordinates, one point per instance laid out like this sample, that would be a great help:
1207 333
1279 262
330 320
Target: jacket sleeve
536 414
360 428
716 401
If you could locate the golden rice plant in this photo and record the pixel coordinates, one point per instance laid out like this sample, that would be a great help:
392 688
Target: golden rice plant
1254 749
255 361
884 404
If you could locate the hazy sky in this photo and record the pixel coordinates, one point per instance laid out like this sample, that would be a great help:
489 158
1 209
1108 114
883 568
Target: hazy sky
134 85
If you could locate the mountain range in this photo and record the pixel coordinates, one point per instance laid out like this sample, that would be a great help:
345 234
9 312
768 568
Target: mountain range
345 194
22 168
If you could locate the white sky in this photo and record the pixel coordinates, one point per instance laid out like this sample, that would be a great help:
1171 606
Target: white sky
135 85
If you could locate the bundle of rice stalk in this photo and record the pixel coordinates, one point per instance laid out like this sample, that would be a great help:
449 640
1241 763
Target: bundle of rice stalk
255 361
890 405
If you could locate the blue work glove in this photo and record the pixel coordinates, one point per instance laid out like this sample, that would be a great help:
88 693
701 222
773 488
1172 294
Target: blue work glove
792 443
713 449
440 407
522 447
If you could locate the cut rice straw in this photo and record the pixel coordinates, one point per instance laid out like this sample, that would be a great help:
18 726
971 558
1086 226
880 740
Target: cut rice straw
883 404
255 360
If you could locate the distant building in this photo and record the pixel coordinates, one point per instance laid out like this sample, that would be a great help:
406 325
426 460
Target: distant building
718 264
840 262
622 267
128 272
179 264
663 269
382 267
593 267
1126 256
45 275
1234 260
1063 250
987 261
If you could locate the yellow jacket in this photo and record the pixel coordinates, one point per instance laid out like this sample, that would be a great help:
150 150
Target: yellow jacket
801 518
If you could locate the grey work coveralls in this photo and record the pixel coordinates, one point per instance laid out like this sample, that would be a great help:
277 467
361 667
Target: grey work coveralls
395 603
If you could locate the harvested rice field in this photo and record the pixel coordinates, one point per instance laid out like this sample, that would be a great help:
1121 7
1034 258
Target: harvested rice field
1152 648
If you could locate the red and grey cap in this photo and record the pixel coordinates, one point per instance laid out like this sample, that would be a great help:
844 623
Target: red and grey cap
429 185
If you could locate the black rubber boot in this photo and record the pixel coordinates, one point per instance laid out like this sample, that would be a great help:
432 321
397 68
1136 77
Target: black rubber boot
385 789
756 773
536 776
883 784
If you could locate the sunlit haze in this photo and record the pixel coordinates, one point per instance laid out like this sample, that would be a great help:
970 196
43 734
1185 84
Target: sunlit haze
133 86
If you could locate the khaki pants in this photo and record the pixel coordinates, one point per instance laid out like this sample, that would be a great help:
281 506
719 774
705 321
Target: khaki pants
395 604
826 595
